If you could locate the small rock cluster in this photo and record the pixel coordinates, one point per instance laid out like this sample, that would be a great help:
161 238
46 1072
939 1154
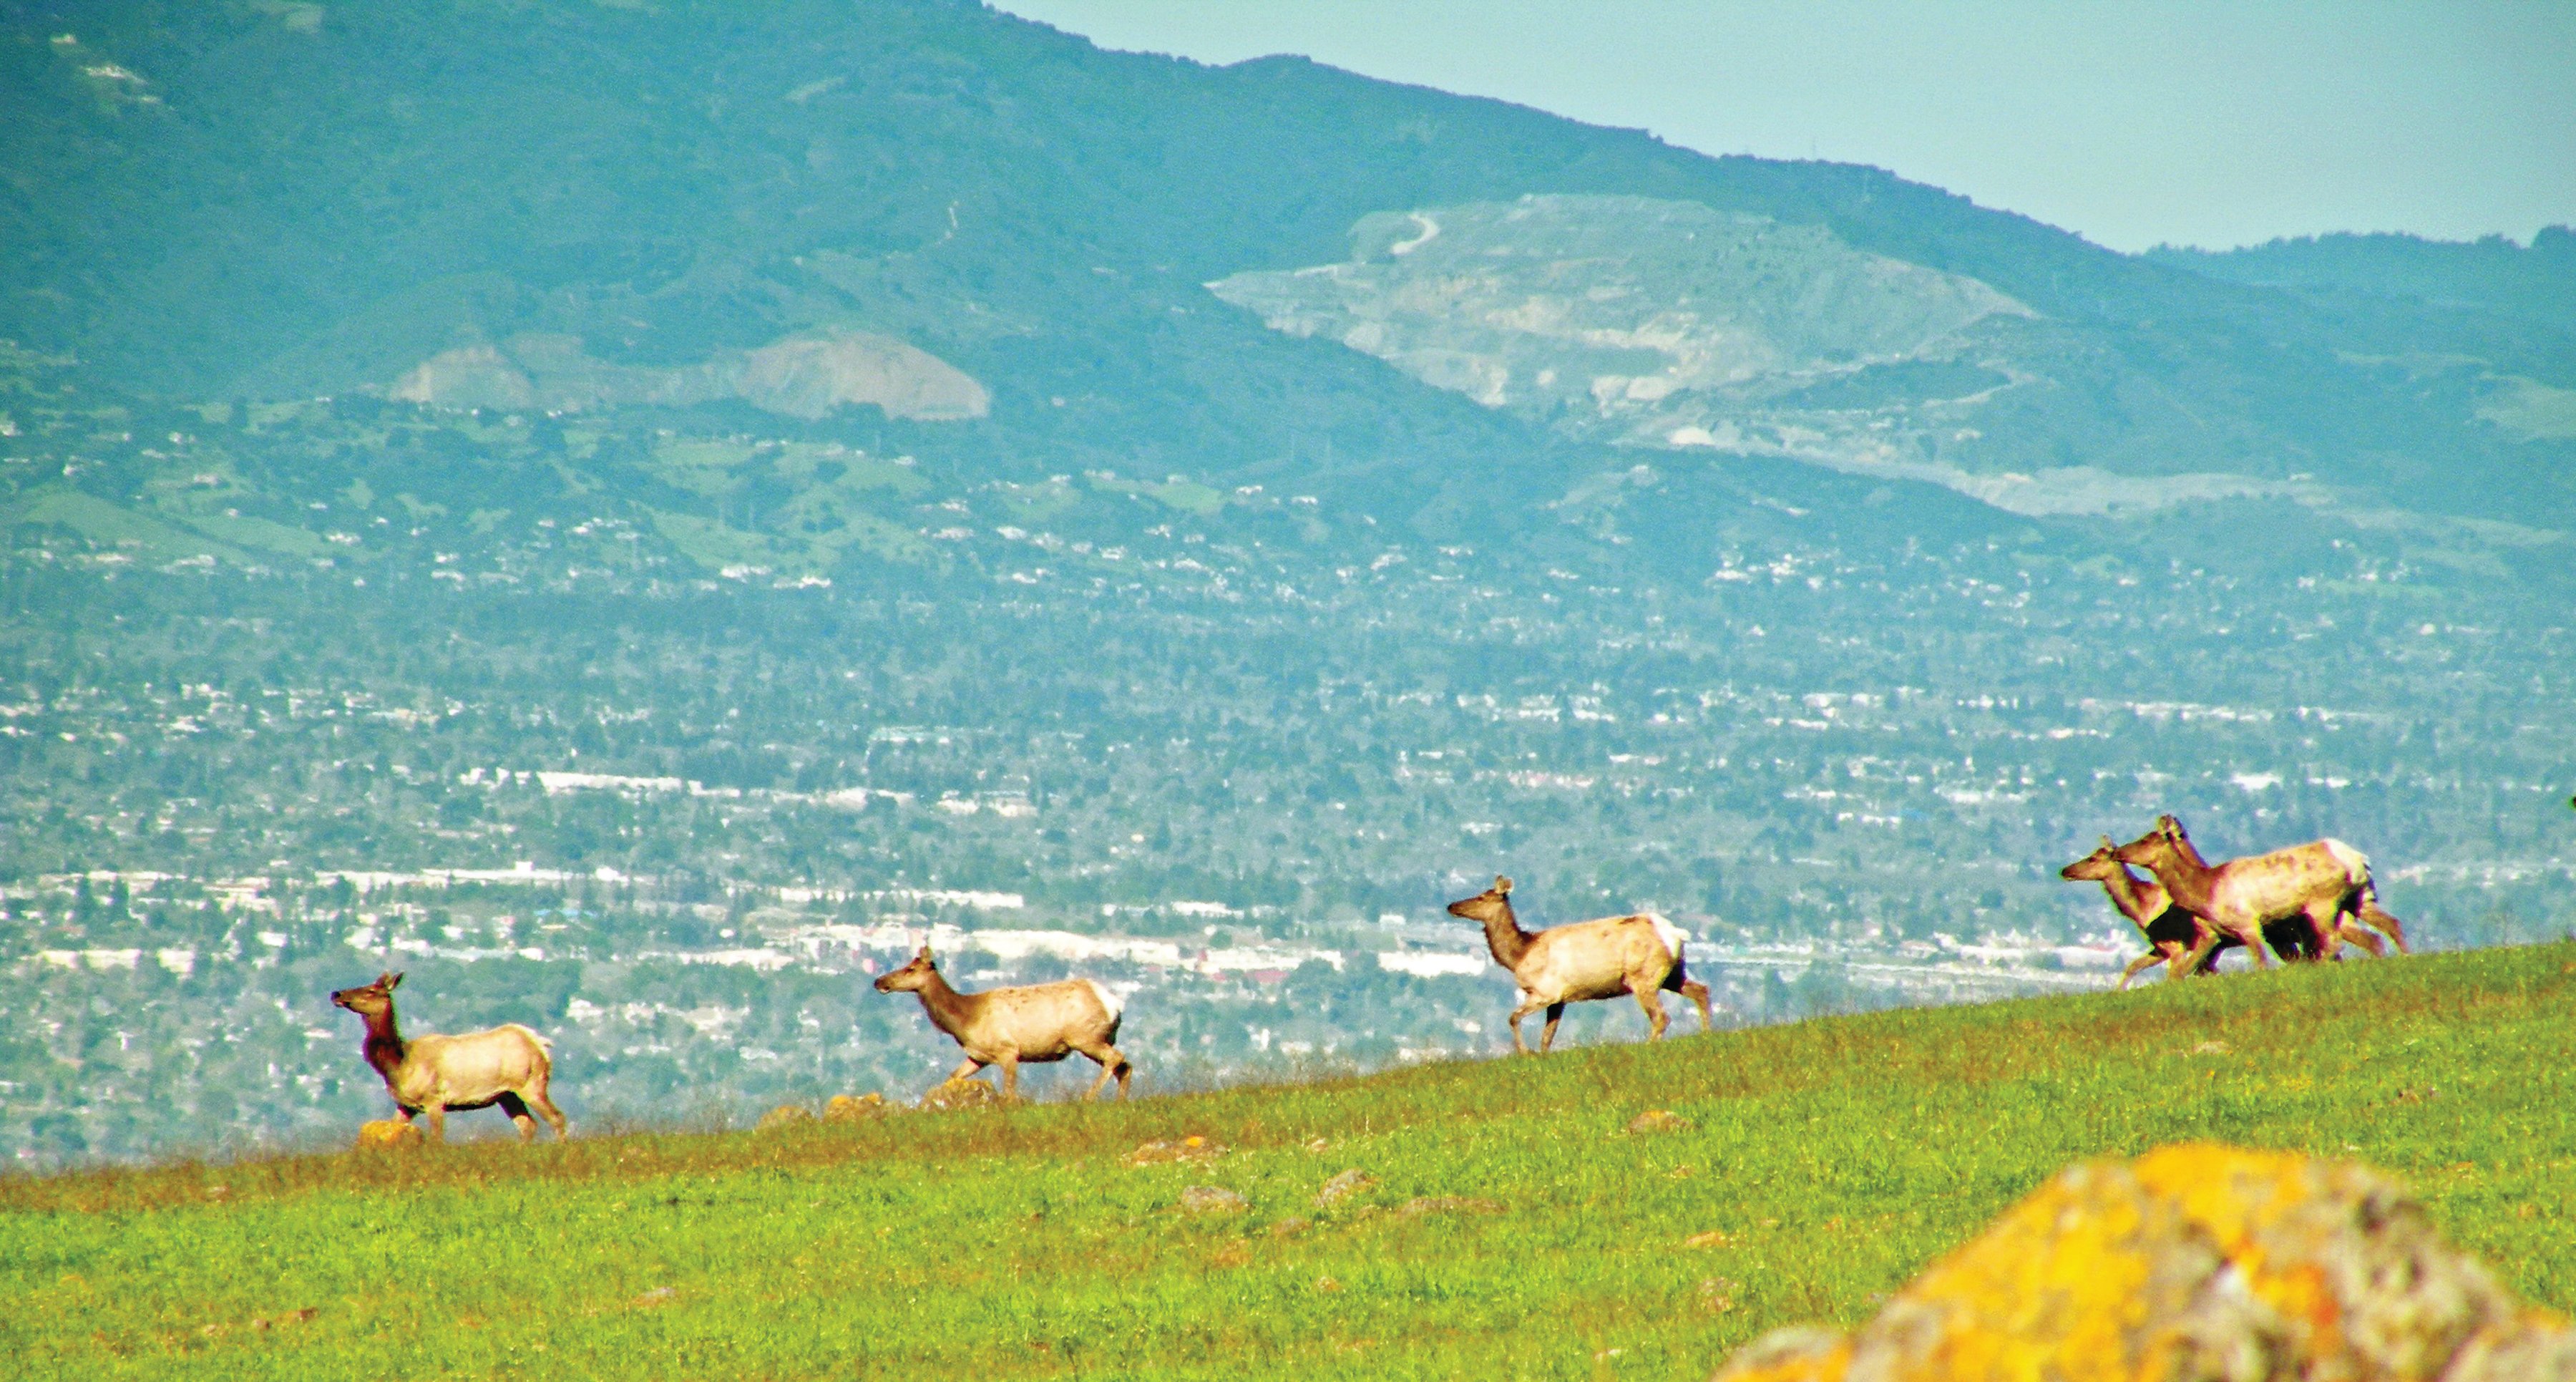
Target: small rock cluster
1186 1149
960 1094
385 1134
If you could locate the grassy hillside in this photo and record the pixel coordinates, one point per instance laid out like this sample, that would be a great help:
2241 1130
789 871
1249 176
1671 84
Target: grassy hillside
1516 1226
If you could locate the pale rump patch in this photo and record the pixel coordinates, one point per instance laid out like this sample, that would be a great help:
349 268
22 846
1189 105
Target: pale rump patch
1666 932
2356 865
1108 1001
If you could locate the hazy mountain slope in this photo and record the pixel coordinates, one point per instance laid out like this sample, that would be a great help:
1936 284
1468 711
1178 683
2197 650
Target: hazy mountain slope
268 203
2535 281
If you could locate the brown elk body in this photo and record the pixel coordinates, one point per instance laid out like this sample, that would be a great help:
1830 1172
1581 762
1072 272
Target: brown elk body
2321 883
2290 939
432 1075
1639 954
1006 1026
2171 932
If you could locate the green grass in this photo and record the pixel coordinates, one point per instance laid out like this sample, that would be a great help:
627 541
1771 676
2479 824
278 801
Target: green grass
1838 1156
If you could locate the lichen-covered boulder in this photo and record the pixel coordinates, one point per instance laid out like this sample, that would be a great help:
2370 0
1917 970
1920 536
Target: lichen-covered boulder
2193 1262
960 1094
845 1108
384 1134
784 1116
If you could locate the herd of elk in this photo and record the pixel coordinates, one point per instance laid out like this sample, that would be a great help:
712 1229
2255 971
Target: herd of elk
2302 902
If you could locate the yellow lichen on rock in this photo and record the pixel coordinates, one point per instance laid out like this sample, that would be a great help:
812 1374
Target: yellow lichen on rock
784 1116
386 1133
845 1108
2195 1261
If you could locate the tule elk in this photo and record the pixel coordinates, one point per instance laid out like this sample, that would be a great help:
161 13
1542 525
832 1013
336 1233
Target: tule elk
1639 954
1005 1026
507 1065
2321 883
2171 932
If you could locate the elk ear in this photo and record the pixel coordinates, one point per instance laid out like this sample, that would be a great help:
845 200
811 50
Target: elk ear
1502 885
2106 843
924 955
393 980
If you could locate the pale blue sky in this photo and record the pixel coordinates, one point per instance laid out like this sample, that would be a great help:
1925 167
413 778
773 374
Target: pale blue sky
2179 121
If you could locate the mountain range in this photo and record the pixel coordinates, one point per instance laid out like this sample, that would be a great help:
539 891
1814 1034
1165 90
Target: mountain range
447 202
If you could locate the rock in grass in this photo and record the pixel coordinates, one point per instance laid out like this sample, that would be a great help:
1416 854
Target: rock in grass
1211 1199
1159 1152
784 1116
960 1094
385 1134
845 1108
1342 1187
2193 1261
1447 1204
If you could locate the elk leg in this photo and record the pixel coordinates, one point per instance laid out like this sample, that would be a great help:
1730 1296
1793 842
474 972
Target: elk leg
1010 1064
517 1109
1528 1005
2328 921
2385 924
2193 962
437 1115
1697 992
545 1107
2148 960
1651 998
1111 1064
535 1094
2361 936
1547 1037
965 1070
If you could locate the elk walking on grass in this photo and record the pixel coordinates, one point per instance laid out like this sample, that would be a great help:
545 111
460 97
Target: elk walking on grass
2323 882
2171 932
1005 1026
431 1075
1603 958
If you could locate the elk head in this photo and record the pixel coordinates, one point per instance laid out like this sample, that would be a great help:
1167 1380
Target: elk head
1493 904
369 1000
2149 849
2093 867
912 978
